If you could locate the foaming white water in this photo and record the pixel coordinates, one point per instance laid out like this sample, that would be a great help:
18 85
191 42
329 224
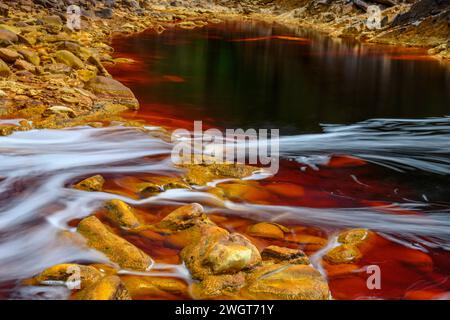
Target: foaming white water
36 167
35 204
398 144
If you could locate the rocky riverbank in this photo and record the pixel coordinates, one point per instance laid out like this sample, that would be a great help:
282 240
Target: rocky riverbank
419 23
52 76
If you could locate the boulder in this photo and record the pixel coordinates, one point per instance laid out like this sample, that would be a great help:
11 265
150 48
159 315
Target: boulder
69 59
200 174
120 251
345 253
4 10
277 254
9 55
7 37
94 183
184 218
108 288
219 252
65 272
281 282
21 64
267 230
57 68
104 13
154 286
112 91
30 56
5 71
53 24
121 214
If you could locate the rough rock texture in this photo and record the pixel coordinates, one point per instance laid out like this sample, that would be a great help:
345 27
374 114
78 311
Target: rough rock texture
291 282
267 230
154 286
352 242
112 91
94 183
121 214
200 174
277 254
116 248
108 288
219 252
184 218
64 272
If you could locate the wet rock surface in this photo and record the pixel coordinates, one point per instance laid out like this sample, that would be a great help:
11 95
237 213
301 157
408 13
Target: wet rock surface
120 251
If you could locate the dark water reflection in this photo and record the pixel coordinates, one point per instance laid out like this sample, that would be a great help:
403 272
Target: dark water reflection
286 83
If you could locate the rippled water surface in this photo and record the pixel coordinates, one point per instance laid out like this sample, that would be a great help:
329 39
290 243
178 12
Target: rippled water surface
365 142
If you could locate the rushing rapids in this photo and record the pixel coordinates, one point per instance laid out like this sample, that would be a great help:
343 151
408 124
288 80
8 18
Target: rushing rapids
38 168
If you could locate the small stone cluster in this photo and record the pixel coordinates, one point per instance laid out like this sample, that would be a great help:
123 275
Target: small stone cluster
223 264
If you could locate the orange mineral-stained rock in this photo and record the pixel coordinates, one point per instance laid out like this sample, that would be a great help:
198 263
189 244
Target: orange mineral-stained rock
94 183
219 252
201 174
286 282
277 254
245 191
306 242
354 236
267 230
288 190
354 243
122 214
184 218
120 251
344 253
108 288
225 286
154 286
64 273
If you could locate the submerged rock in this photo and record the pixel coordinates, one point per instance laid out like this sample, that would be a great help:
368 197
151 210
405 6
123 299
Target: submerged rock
354 236
120 251
267 230
352 242
345 253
